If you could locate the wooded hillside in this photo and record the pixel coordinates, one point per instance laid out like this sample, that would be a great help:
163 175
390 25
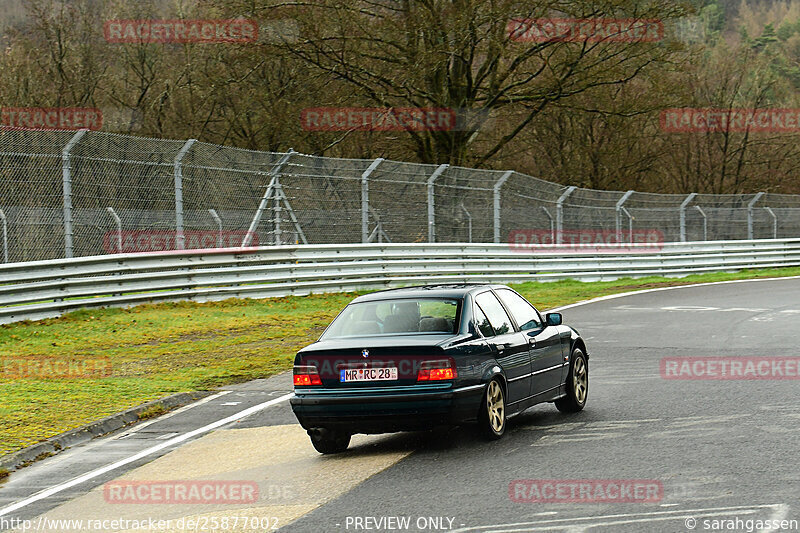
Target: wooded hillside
580 113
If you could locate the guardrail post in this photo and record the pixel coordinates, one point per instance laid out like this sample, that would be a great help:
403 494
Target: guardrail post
5 235
685 203
774 222
262 206
118 223
750 207
180 238
365 199
560 213
620 204
431 202
66 176
497 187
705 222
218 220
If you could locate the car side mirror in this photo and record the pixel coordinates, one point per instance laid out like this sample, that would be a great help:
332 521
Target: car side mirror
553 319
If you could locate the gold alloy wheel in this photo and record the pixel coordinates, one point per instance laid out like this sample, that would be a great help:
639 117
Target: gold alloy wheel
580 380
496 407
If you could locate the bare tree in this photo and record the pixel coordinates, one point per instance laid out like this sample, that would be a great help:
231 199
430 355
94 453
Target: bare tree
460 54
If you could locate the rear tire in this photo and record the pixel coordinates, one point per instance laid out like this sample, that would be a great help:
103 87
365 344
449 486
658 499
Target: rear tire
492 417
577 384
327 441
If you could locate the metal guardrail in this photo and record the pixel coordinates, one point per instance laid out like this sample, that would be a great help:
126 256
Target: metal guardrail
43 289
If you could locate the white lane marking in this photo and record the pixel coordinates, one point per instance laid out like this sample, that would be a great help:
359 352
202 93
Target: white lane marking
141 455
780 514
658 289
58 488
627 518
701 308
183 409
228 404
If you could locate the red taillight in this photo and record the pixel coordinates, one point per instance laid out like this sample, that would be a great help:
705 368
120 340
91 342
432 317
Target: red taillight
306 376
441 370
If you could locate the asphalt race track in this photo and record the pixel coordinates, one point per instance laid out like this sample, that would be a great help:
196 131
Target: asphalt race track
720 450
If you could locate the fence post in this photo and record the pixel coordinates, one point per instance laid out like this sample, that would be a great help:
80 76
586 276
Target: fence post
560 213
497 187
5 235
66 176
262 206
620 204
365 199
180 238
750 207
685 203
431 202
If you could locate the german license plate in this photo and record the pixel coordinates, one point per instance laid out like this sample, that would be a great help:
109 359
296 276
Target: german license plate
367 374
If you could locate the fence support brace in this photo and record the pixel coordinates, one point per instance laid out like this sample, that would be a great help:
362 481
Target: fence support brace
774 222
5 235
685 203
365 199
218 220
180 238
705 222
552 224
66 176
497 187
750 207
560 213
118 223
620 204
469 222
431 202
262 206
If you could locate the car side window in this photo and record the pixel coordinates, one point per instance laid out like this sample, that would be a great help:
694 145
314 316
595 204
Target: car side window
482 322
497 316
524 313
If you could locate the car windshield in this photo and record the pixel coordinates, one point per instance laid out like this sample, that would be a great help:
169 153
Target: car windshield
396 317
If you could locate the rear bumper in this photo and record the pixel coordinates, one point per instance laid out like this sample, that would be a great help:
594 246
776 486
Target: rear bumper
384 412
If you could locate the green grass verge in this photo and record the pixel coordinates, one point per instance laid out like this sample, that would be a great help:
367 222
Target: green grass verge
156 350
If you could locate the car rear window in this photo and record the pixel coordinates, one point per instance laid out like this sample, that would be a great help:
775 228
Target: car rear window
396 317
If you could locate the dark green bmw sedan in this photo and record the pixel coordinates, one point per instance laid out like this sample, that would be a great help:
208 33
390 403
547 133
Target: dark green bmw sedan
421 357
